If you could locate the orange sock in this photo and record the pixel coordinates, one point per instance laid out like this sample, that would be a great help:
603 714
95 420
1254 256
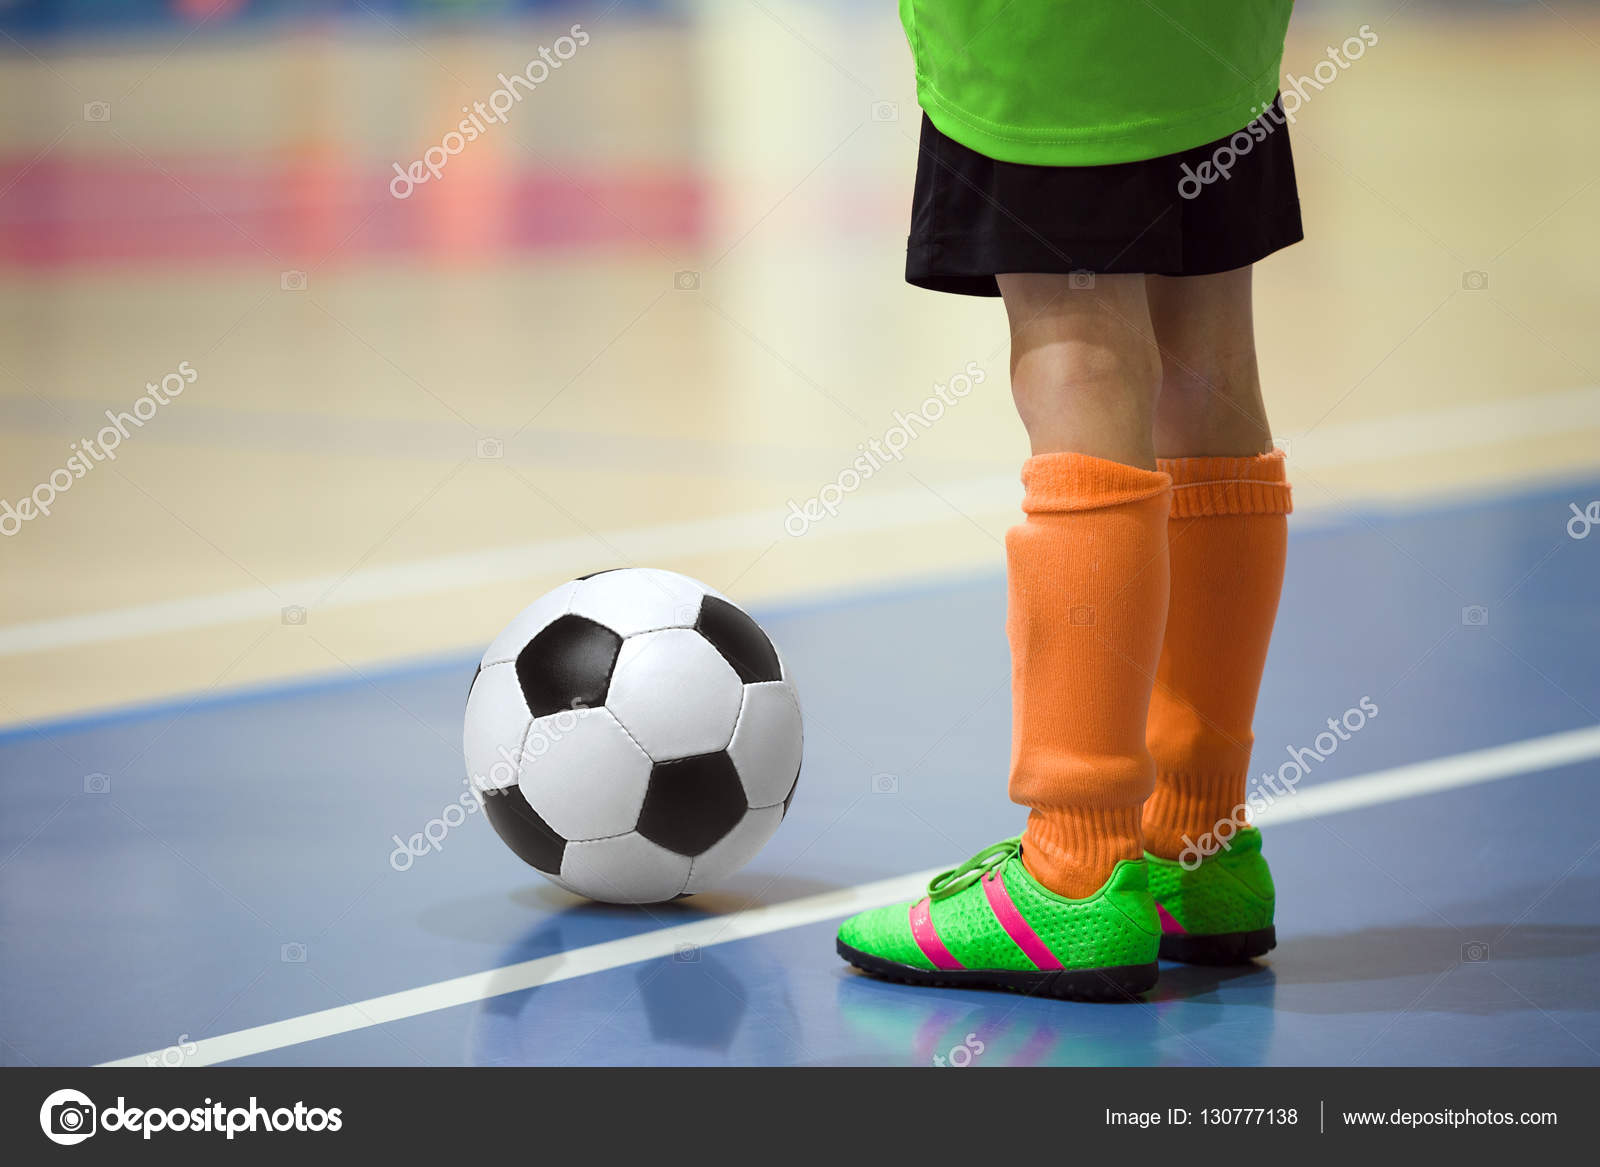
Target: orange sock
1087 575
1227 537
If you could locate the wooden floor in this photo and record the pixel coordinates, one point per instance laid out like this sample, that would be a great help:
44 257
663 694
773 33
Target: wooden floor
658 305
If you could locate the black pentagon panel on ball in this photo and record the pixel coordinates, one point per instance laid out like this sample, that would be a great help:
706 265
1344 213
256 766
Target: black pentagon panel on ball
691 803
740 641
568 666
533 840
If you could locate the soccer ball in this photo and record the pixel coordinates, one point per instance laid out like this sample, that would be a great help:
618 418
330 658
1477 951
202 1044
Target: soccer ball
634 736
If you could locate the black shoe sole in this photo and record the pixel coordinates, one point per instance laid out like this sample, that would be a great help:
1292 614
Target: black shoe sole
1223 948
1120 983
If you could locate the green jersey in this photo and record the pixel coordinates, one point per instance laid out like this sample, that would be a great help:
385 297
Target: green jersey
1091 82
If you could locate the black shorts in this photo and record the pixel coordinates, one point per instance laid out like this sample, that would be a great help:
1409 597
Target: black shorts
1178 215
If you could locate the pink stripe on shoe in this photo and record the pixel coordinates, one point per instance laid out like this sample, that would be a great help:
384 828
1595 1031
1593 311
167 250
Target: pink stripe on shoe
1016 927
1168 925
927 939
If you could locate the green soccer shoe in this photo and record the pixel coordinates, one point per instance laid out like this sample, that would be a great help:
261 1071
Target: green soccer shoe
1219 912
989 924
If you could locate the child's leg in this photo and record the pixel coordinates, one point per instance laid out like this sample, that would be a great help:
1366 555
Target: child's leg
1073 914
1227 539
1210 403
1087 572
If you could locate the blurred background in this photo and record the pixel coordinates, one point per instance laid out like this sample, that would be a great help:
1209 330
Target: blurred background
653 308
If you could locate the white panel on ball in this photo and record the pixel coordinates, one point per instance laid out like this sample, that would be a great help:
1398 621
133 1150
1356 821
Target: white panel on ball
497 720
583 774
556 879
767 742
674 693
639 599
629 869
734 849
529 622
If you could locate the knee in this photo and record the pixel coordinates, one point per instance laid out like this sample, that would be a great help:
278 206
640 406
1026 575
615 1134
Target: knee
1124 374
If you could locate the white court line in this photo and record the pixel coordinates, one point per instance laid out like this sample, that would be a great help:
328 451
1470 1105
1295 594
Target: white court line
1454 772
564 558
1458 770
546 970
1457 428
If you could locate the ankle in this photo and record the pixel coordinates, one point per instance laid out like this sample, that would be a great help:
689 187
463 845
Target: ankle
1073 852
1185 809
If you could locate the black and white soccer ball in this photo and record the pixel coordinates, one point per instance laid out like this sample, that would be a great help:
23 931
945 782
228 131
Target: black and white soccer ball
635 736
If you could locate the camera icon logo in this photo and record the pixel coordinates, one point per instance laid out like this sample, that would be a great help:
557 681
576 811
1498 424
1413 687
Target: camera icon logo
1474 952
97 111
97 783
885 111
1080 281
885 784
67 1117
292 281
294 614
1474 281
491 449
1081 615
686 281
292 953
1475 616
687 954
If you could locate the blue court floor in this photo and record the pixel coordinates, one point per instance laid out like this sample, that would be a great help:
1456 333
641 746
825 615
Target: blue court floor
186 871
